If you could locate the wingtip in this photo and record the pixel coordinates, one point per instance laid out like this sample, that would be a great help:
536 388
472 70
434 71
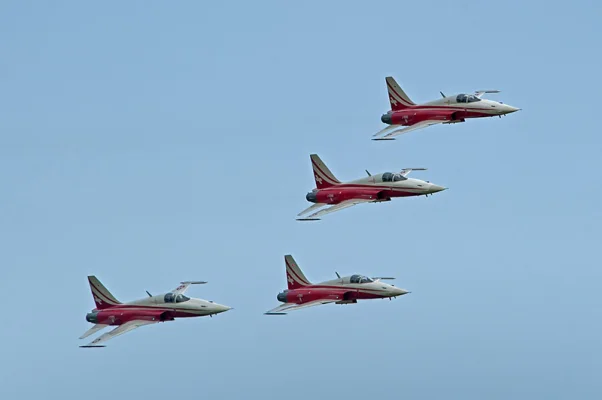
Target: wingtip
91 346
377 139
308 219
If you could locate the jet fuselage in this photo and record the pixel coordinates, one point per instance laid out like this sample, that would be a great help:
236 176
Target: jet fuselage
154 309
341 291
447 109
373 188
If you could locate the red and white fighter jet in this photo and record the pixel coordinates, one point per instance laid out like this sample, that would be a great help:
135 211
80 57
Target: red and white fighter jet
406 116
371 189
343 290
128 316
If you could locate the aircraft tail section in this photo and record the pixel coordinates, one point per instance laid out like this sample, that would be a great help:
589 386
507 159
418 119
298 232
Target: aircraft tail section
398 98
102 297
324 178
294 275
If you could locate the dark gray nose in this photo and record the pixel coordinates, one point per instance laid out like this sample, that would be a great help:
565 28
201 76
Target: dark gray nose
311 196
282 296
386 119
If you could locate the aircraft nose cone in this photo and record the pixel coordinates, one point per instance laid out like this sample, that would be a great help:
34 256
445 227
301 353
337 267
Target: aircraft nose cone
510 109
219 308
400 292
436 188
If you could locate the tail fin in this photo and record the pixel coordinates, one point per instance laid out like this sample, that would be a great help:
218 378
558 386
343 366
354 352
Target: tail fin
324 178
398 98
294 276
102 297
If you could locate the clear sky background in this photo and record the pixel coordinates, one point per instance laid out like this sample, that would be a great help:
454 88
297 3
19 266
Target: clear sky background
151 142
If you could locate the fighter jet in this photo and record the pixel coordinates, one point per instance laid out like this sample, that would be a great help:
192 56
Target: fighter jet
150 310
371 189
343 290
447 110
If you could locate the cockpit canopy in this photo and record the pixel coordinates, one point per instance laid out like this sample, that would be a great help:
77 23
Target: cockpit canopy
359 279
173 298
467 98
391 177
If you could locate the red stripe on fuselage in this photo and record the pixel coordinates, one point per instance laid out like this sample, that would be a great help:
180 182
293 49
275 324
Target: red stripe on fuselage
362 186
134 307
329 287
327 292
450 108
397 191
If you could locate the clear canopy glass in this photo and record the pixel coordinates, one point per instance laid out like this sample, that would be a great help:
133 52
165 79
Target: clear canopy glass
359 279
467 98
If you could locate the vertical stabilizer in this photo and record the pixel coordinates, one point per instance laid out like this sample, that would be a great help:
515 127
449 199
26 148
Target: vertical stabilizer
324 178
294 275
102 297
398 98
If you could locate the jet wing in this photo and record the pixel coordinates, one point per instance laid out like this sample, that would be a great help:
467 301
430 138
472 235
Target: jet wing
342 205
93 330
313 207
184 285
120 330
419 125
480 93
294 306
406 171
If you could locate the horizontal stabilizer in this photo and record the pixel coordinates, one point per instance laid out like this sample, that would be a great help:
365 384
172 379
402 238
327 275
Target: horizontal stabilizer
308 219
274 313
384 139
89 346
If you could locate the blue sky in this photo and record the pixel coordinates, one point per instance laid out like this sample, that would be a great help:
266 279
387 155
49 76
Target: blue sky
149 142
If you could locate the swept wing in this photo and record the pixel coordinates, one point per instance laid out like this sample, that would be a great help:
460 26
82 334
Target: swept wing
313 207
397 132
120 330
93 330
406 171
480 93
184 285
342 205
280 310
